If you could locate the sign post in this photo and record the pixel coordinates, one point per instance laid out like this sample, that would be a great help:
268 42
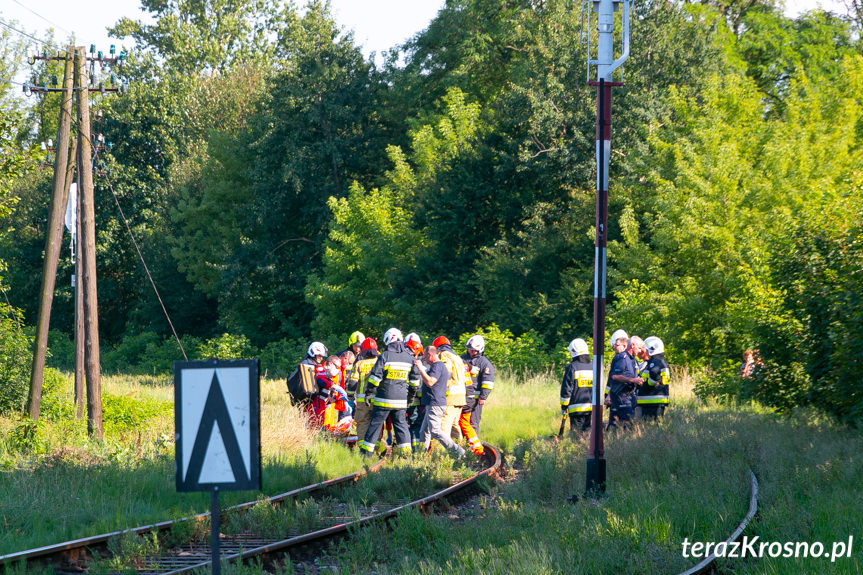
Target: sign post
218 434
605 64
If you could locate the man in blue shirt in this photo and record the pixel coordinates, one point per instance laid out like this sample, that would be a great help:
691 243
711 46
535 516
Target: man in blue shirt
622 379
434 380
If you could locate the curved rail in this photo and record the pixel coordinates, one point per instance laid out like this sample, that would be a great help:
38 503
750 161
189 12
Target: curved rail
493 456
75 551
706 564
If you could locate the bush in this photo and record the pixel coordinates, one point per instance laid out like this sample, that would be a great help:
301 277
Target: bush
522 354
15 360
61 351
279 358
147 353
57 402
227 346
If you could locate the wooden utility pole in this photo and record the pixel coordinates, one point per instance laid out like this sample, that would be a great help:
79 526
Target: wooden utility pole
52 243
87 254
80 400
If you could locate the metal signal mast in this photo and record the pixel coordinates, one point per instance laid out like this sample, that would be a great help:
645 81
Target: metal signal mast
605 64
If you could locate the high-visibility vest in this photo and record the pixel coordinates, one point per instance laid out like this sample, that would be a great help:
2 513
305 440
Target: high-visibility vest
456 388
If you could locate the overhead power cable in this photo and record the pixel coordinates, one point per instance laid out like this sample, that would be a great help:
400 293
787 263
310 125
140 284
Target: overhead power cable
34 38
146 269
43 18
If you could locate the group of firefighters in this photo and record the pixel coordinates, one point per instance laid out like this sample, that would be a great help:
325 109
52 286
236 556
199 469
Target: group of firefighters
418 394
412 392
638 377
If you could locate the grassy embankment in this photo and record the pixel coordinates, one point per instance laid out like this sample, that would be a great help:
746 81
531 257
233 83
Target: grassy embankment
685 477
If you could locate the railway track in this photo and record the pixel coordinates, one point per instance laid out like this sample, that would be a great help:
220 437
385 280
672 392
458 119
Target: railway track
76 556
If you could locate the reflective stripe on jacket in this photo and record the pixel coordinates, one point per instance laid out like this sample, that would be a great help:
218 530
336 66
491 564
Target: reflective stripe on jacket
576 389
394 377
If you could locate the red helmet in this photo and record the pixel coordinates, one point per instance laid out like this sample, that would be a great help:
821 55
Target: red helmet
370 343
440 340
414 346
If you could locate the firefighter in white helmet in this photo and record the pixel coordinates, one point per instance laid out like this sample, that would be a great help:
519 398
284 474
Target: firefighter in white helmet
482 379
576 389
393 381
653 394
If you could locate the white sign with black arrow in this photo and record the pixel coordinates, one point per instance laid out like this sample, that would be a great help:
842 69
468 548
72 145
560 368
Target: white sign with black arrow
217 417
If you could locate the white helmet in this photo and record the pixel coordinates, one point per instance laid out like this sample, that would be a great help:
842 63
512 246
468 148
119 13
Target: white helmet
477 343
412 336
392 334
619 334
654 345
317 348
577 347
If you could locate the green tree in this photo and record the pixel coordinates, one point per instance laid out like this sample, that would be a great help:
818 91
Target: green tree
193 36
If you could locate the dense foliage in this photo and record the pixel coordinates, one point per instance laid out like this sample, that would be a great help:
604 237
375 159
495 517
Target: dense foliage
285 188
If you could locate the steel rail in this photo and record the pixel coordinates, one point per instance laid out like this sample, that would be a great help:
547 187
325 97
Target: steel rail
78 547
706 564
318 537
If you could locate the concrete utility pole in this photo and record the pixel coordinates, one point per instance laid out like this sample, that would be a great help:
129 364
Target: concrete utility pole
605 65
60 188
87 253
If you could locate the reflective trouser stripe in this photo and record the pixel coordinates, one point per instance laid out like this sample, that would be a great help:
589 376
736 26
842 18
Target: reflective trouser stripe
403 446
366 446
652 399
390 403
580 407
489 385
350 438
360 396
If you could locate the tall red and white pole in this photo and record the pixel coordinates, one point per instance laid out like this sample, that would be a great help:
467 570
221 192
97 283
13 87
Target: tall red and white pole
605 65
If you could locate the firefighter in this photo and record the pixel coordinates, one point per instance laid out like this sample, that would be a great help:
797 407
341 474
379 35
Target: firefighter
393 380
456 394
416 409
301 382
481 373
576 389
324 381
355 343
434 379
622 380
362 368
653 394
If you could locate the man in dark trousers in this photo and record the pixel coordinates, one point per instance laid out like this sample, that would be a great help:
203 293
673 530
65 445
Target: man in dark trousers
393 381
481 372
653 395
622 379
576 389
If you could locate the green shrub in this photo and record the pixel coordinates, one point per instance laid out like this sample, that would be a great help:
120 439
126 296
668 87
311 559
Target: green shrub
15 360
131 351
124 412
525 353
279 358
57 399
227 346
61 351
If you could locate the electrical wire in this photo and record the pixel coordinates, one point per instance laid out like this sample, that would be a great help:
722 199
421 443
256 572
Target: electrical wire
144 263
43 18
34 38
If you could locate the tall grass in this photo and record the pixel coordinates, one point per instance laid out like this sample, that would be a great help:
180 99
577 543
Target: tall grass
57 485
685 476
